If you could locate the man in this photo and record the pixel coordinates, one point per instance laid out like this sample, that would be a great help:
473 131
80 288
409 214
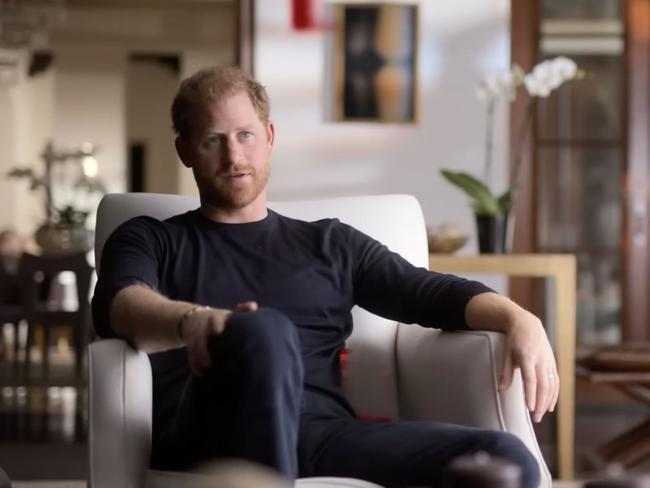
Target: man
244 313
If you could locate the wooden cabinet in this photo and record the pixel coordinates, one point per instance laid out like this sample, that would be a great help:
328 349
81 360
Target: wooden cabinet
585 186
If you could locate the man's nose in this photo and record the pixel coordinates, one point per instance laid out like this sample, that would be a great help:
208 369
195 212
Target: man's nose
234 152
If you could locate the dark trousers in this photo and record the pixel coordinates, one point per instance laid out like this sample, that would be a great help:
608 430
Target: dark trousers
250 404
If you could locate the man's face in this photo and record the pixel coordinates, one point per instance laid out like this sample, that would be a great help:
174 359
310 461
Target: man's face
228 150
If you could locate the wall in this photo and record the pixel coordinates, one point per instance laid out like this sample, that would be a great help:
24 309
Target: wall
150 87
8 109
89 94
459 42
25 126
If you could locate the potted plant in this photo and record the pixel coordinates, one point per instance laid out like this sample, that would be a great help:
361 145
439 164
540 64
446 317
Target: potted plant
64 229
493 211
490 211
66 233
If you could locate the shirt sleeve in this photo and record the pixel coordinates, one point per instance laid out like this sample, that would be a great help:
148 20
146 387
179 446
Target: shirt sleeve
130 256
387 284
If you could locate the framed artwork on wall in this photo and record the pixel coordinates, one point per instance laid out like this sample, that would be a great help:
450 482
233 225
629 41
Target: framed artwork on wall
375 62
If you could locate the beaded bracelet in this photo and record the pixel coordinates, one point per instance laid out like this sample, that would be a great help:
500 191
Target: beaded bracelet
191 311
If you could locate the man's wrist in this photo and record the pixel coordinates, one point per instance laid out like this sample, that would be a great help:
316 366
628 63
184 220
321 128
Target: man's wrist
520 317
188 313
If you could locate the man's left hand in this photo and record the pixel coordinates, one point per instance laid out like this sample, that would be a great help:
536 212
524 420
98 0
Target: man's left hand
527 348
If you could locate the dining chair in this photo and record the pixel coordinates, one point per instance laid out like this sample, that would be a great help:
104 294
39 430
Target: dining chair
38 275
11 310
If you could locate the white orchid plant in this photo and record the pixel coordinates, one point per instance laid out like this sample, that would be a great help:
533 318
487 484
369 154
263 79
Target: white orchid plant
542 80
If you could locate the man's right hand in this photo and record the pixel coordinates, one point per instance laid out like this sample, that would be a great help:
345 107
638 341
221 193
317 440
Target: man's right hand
197 327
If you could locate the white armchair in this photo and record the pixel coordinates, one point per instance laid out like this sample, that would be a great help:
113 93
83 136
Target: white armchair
393 370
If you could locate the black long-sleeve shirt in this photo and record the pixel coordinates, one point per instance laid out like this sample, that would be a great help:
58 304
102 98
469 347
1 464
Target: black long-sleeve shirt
312 272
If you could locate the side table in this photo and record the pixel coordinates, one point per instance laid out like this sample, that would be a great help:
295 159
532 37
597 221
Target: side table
625 367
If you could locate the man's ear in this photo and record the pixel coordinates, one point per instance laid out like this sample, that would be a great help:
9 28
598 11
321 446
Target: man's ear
183 151
270 133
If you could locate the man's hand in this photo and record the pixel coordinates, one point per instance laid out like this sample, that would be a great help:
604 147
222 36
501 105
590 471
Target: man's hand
153 322
527 348
197 327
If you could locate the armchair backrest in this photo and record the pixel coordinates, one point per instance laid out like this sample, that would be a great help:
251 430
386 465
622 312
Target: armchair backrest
395 220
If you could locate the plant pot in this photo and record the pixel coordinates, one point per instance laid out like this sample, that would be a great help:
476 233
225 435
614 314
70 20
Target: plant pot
53 239
492 233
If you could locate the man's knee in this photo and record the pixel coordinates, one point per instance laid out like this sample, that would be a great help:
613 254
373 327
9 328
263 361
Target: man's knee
509 446
263 336
266 326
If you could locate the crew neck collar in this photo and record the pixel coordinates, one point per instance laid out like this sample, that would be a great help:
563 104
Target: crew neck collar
264 223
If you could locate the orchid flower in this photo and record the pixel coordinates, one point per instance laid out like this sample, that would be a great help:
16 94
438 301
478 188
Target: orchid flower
540 82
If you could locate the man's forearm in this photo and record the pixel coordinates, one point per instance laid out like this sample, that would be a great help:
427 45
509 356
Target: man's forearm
491 311
147 319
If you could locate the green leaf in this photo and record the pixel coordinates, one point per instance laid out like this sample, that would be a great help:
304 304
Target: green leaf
505 200
483 201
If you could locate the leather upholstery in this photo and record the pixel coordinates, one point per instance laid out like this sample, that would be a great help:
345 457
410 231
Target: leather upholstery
430 362
394 370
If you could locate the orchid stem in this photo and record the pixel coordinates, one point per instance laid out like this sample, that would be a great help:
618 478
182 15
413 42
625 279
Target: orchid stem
522 136
489 142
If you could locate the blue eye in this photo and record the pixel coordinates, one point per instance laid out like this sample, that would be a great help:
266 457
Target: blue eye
214 139
243 135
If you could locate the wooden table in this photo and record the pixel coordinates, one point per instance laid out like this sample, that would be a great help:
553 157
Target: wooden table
562 269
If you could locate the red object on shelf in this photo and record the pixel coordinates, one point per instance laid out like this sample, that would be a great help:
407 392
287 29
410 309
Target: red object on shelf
302 14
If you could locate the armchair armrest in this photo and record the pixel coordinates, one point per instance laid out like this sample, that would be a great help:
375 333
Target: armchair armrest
454 376
120 414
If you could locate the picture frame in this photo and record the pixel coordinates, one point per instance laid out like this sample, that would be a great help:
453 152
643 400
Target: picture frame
376 62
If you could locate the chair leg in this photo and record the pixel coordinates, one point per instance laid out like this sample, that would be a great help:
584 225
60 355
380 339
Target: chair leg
16 358
28 348
46 351
16 325
79 343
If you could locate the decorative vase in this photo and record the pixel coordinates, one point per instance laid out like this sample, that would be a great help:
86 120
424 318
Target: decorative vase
55 239
492 233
